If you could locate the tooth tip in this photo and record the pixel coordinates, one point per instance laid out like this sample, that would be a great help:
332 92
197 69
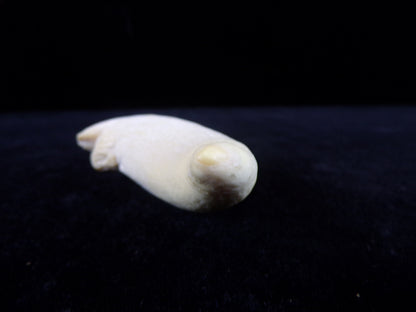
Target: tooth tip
211 155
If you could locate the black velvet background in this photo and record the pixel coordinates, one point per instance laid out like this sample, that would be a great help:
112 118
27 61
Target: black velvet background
329 225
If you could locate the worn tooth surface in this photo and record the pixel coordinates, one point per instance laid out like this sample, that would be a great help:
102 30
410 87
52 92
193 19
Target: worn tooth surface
181 162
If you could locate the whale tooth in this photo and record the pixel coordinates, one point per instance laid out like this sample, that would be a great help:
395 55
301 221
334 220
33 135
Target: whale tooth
181 162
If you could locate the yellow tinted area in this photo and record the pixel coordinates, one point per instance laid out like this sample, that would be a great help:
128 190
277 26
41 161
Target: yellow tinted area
211 155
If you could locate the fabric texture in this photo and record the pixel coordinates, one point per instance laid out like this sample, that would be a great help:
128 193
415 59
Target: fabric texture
330 224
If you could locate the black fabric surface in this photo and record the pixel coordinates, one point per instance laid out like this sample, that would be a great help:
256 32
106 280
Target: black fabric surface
330 223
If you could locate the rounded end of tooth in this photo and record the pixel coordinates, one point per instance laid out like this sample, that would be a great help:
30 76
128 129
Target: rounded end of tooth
224 172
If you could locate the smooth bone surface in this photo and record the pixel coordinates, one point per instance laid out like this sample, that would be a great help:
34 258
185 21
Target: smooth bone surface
181 162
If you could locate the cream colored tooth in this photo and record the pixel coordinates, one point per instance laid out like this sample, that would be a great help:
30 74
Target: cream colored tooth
181 162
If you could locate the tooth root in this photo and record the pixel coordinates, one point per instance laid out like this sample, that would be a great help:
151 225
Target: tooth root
181 162
102 156
87 137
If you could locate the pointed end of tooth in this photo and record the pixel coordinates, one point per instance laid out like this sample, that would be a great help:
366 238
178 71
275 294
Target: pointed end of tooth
211 155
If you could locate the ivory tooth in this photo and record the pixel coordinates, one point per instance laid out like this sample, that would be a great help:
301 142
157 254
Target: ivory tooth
181 162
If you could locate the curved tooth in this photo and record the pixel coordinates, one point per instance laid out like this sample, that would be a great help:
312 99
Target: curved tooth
181 162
